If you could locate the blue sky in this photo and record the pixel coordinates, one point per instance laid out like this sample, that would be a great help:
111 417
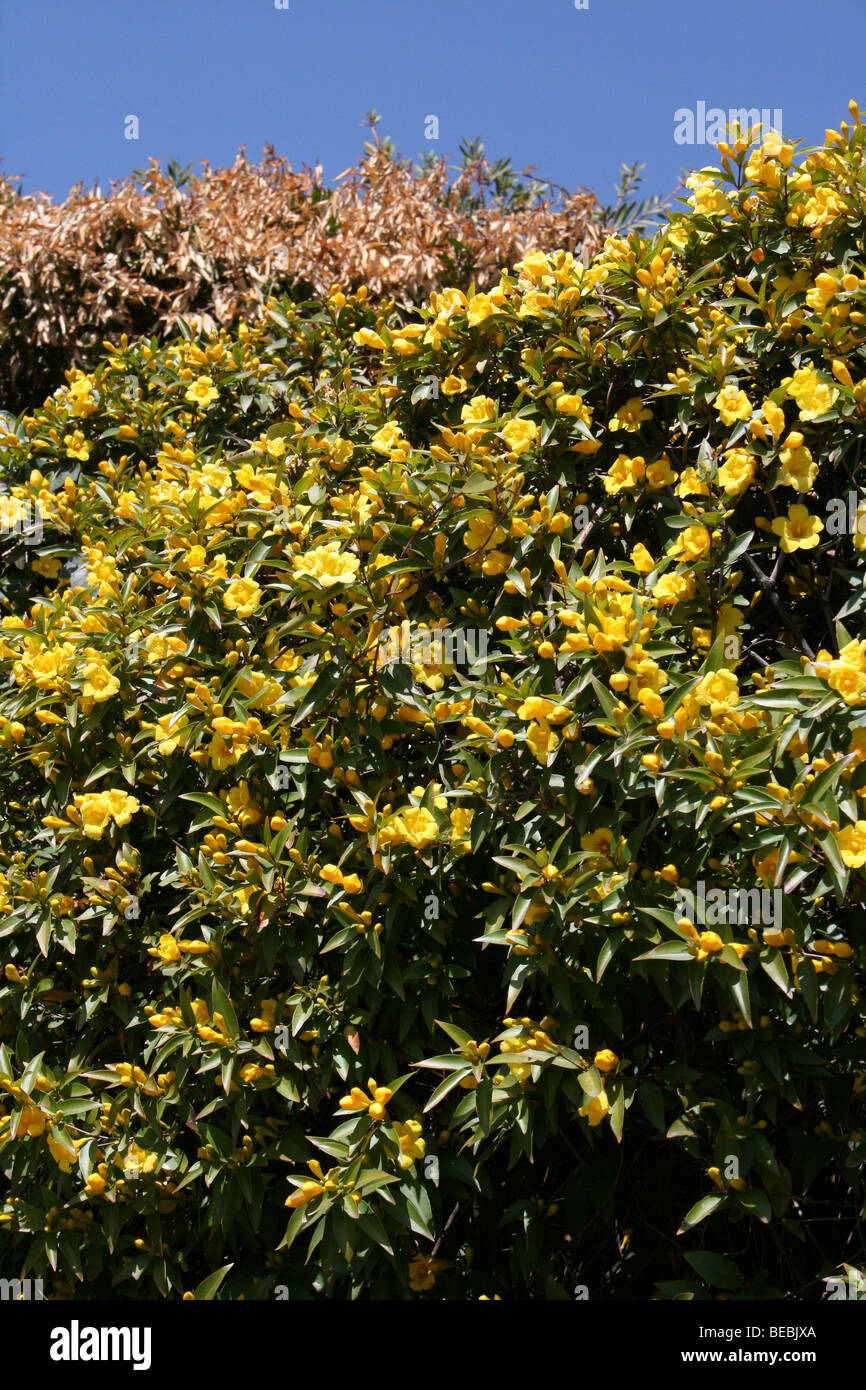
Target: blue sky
576 93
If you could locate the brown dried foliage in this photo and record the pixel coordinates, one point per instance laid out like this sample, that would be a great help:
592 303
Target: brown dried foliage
149 253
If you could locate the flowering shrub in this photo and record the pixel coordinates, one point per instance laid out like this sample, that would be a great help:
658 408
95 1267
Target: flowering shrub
327 974
166 245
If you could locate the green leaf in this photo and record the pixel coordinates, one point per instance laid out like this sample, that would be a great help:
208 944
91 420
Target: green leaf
478 483
809 986
373 1178
447 1085
457 1035
740 993
714 1269
701 1210
835 864
616 1115
774 966
650 1097
205 1291
211 803
220 1004
756 1202
669 950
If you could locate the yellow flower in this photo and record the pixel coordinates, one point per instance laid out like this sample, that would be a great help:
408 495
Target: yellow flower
573 405
597 841
404 347
737 472
623 473
720 690
798 467
461 822
95 814
48 565
97 809
122 806
340 451
374 1103
595 1109
308 1190
137 1161
673 588
824 206
423 1270
412 1146
47 716
813 396
77 447
168 730
130 1075
63 1154
365 337
482 532
31 1123
540 707
520 435
848 681
630 416
535 265
98 682
201 392
167 950
660 474
774 416
480 410
542 740
707 198
851 840
534 303
242 597
642 560
774 147
241 805
798 530
413 826
480 308
691 484
390 440
732 405
825 289
328 564
692 543
195 558
605 1060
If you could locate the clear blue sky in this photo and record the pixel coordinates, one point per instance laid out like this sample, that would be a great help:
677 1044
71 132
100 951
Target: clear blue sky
575 92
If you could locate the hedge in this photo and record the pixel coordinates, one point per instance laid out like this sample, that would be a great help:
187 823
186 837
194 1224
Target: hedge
432 818
166 245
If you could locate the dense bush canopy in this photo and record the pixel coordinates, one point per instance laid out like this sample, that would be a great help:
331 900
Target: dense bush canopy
168 244
379 978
